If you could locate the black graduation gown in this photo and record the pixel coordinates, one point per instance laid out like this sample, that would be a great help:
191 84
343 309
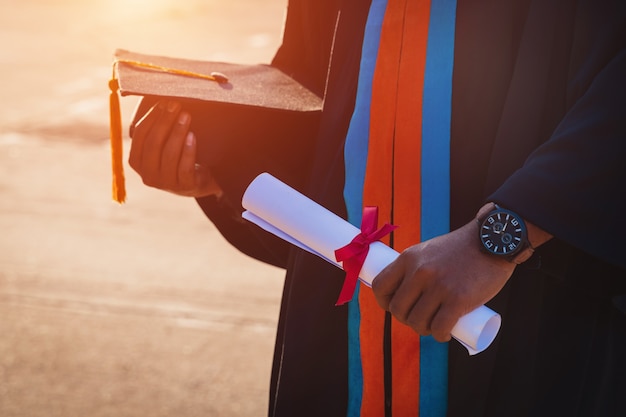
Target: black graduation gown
539 104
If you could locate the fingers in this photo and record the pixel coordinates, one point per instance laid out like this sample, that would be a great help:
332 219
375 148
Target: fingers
386 283
140 135
410 296
403 296
429 316
433 284
152 155
163 152
187 169
443 323
173 150
159 149
193 179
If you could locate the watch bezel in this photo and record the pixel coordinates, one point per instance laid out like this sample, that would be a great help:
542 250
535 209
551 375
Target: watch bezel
511 255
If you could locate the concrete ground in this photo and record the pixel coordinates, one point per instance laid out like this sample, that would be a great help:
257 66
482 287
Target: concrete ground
107 310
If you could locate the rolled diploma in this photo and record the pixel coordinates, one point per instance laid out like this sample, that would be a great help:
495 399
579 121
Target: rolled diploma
288 214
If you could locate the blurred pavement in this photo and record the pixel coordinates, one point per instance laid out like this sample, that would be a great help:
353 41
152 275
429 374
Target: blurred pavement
107 310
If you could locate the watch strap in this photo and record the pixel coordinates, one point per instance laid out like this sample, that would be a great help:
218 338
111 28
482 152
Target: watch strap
522 256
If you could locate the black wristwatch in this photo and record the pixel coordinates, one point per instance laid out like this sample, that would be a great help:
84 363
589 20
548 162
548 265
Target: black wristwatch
503 234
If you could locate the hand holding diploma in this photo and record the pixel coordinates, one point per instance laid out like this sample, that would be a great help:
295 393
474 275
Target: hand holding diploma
283 211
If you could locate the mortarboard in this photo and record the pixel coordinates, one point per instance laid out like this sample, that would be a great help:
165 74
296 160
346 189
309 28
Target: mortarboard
265 90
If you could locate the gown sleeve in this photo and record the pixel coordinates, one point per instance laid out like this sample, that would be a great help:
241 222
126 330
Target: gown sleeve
574 184
281 143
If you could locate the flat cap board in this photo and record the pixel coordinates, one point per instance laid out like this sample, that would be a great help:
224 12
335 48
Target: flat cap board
248 85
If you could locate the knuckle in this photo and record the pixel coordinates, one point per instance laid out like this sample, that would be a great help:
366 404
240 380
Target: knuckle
398 311
377 283
151 181
441 329
148 181
443 323
404 256
441 335
417 324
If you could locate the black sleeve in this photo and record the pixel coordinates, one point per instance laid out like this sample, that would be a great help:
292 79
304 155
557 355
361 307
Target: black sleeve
574 185
240 142
283 143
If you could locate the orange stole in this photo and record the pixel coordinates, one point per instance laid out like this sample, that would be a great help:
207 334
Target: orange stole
392 183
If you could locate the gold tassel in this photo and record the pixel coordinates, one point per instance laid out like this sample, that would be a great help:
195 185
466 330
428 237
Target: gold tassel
117 162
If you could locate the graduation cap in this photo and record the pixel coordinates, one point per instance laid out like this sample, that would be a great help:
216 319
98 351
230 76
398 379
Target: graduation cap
258 87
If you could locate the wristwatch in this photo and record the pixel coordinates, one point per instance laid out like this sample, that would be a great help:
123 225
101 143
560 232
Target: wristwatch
503 234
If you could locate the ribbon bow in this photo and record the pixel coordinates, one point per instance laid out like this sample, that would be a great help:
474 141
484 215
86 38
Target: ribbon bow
354 253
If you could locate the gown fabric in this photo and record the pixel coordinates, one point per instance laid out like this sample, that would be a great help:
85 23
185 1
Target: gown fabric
537 125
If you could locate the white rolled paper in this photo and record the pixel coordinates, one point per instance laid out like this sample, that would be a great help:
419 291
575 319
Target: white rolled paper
288 214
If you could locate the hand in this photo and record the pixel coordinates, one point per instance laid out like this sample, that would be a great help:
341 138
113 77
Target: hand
163 153
432 284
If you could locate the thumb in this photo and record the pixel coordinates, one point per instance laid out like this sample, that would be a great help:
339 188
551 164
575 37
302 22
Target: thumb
205 181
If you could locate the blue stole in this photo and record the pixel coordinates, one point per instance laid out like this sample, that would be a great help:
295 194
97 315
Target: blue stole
435 182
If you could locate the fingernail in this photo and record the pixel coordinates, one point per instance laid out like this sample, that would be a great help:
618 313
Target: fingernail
172 106
190 139
183 118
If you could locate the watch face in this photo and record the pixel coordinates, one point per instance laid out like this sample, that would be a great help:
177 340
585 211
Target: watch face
502 233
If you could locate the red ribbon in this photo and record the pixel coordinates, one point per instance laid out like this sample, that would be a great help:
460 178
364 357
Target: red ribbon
354 253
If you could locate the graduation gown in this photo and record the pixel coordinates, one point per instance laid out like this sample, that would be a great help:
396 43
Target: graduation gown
538 125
